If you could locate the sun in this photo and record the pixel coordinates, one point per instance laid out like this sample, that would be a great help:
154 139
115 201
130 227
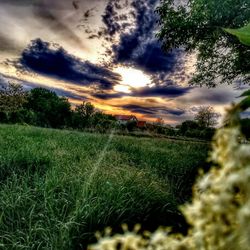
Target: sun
131 78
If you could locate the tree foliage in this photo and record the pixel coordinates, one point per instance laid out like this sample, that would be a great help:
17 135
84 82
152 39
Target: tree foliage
50 109
206 117
12 97
85 110
44 108
196 27
196 129
188 125
81 118
243 34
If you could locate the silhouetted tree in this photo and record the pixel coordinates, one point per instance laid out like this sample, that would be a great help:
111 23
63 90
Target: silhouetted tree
85 110
50 109
207 117
82 115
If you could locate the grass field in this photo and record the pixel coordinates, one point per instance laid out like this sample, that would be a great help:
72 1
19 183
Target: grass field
58 187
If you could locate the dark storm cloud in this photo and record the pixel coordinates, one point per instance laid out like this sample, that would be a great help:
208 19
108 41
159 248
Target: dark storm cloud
75 4
108 96
156 91
145 21
152 111
151 58
161 91
110 18
53 61
4 80
138 46
88 13
130 27
115 19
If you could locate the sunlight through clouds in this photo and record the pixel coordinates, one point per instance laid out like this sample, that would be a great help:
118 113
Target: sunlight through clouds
132 78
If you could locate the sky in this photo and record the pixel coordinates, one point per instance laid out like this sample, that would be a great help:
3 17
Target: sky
105 52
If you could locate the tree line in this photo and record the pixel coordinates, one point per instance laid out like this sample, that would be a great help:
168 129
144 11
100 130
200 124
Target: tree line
44 108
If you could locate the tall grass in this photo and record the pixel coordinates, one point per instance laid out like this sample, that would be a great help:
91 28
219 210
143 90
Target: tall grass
51 199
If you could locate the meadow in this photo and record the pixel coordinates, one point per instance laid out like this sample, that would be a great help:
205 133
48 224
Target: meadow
58 187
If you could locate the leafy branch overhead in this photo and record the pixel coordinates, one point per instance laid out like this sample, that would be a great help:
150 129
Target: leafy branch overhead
245 103
243 34
195 26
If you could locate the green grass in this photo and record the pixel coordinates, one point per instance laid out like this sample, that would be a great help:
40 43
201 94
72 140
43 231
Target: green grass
58 187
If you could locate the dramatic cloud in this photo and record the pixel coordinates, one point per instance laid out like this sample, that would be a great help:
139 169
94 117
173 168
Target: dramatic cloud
4 80
50 14
151 58
221 95
108 96
156 91
55 22
153 111
116 18
145 21
111 17
132 39
161 91
53 61
138 46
